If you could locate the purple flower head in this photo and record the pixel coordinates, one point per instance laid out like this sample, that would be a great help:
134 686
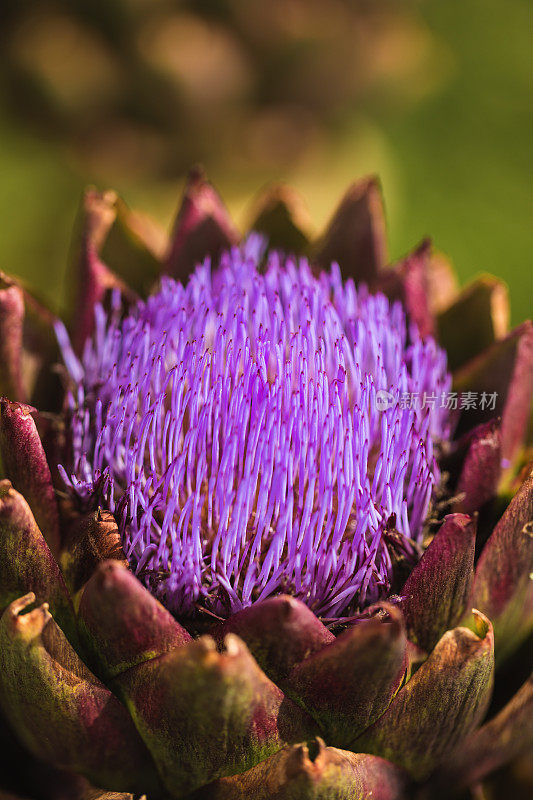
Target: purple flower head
250 433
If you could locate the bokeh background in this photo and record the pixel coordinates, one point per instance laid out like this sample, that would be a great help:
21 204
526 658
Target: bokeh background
434 95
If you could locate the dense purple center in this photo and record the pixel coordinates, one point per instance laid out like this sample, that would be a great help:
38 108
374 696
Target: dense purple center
237 425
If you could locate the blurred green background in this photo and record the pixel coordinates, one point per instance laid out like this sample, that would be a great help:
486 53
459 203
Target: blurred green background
436 97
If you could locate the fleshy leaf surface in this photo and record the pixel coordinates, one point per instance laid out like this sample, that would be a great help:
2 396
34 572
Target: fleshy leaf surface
503 585
122 623
348 684
93 279
313 772
27 468
440 705
408 281
438 589
11 332
205 714
481 469
503 371
75 722
279 632
26 563
505 737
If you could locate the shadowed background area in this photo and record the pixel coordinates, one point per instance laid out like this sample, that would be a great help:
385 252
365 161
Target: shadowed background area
433 96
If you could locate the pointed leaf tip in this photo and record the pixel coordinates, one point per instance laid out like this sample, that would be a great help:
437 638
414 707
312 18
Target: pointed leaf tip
439 706
26 466
503 375
313 772
203 227
28 348
26 562
503 588
11 332
475 319
481 469
355 237
437 592
349 683
280 632
409 282
134 248
279 214
205 713
443 283
122 623
91 279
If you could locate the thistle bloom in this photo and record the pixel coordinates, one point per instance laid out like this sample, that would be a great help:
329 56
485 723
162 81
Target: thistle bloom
266 446
237 422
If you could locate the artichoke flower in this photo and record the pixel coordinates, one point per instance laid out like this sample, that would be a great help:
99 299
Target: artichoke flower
266 515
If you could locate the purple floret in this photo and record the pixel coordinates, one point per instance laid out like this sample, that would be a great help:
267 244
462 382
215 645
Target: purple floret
235 429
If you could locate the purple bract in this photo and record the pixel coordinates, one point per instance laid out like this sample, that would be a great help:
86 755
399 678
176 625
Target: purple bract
242 432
